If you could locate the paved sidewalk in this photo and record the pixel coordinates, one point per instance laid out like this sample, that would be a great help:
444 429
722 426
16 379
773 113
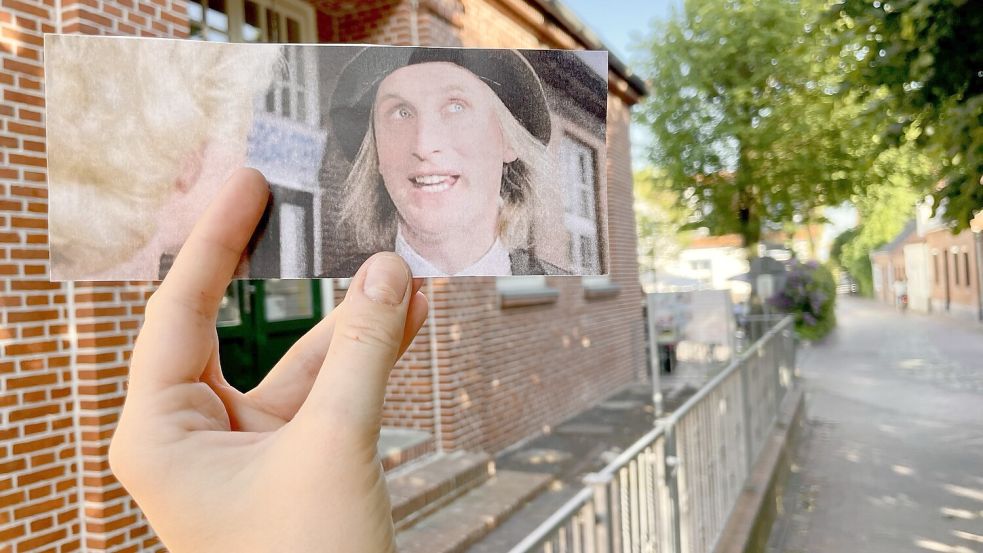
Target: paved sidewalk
892 459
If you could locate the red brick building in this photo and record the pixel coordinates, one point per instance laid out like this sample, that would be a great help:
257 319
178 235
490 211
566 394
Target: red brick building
941 270
497 362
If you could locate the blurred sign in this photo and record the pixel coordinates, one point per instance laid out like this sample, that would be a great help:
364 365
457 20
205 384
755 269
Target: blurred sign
700 322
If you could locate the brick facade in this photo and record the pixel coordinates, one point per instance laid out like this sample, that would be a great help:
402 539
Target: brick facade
502 374
953 259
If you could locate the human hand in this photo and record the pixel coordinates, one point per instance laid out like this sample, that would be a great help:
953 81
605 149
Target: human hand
291 465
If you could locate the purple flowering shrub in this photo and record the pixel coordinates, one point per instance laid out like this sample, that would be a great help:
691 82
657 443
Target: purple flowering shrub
810 295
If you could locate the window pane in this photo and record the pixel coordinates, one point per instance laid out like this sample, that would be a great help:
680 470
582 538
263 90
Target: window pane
966 266
586 199
588 254
252 29
228 310
293 31
288 299
272 26
196 18
285 101
217 20
301 105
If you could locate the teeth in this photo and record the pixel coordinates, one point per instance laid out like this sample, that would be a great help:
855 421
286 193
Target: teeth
433 183
436 188
429 179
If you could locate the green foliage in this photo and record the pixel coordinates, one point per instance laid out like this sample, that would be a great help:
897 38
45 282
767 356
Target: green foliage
896 183
810 295
659 217
922 61
748 123
842 239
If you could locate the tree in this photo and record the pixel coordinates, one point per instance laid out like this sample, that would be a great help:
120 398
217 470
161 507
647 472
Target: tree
659 216
746 115
885 206
922 60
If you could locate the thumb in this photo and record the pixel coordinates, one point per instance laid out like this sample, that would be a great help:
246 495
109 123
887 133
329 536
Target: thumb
351 385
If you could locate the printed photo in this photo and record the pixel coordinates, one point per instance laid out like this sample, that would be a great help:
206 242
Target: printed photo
466 162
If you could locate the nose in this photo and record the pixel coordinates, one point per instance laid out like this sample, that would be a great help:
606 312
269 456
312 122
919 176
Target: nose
430 136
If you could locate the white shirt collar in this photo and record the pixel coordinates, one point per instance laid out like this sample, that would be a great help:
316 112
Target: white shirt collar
495 262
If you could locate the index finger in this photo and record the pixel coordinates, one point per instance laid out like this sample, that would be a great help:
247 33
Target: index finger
176 338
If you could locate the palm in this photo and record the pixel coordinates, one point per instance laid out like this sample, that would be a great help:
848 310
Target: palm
290 465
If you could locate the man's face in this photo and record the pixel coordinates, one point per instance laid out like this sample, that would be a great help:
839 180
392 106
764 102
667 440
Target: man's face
441 149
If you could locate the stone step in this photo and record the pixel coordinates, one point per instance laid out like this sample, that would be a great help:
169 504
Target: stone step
398 446
423 488
469 518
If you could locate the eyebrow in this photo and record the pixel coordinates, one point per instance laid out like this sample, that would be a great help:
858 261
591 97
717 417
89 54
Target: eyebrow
447 89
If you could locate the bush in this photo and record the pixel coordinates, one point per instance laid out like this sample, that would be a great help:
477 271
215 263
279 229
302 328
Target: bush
810 295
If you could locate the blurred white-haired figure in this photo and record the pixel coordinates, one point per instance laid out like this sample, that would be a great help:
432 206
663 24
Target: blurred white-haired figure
142 133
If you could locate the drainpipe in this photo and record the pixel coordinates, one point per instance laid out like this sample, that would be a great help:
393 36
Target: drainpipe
434 370
414 22
978 240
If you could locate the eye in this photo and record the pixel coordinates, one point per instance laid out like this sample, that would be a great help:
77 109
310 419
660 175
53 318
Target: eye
455 107
401 112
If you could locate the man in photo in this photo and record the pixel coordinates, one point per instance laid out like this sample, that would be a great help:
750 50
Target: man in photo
449 159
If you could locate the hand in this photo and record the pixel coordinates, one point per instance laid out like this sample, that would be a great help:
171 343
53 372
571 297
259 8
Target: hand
291 465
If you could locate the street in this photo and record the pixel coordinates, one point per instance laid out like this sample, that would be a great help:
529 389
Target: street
892 456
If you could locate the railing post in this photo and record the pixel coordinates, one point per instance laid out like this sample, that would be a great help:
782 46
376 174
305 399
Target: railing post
653 337
672 484
602 511
746 410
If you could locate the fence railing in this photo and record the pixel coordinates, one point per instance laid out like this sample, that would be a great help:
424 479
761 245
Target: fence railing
673 489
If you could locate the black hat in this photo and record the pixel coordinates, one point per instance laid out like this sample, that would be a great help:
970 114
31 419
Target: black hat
506 71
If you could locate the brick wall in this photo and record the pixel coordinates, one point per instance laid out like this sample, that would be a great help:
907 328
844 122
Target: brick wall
39 497
964 296
64 347
503 373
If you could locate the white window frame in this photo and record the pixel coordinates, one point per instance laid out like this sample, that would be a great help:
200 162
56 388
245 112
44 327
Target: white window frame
580 219
300 76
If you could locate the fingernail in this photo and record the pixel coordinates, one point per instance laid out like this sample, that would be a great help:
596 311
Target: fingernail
386 279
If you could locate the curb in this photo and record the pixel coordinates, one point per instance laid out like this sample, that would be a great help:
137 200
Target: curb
749 524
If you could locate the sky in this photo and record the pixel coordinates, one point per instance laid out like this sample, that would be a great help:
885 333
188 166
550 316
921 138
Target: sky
618 22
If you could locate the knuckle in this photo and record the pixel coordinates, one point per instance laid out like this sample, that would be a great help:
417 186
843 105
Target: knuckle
373 331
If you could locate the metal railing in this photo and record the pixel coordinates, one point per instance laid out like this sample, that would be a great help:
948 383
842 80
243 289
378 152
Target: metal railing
673 489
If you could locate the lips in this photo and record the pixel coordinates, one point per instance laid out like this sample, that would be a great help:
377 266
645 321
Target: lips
433 182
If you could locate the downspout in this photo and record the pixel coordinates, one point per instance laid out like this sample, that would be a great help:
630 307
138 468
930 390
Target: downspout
431 317
434 370
414 22
978 241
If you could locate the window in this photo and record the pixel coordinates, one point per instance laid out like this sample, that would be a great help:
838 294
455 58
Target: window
294 91
966 267
955 267
579 169
935 266
700 265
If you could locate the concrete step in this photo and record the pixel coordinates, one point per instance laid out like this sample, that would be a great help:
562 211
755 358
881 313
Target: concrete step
423 488
398 446
472 516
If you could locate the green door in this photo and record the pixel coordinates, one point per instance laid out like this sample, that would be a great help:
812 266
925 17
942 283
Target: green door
258 322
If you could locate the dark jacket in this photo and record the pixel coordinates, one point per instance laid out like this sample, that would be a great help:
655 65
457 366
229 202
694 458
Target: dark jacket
524 262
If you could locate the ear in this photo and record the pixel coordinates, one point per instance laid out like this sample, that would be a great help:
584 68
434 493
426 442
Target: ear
508 154
191 167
